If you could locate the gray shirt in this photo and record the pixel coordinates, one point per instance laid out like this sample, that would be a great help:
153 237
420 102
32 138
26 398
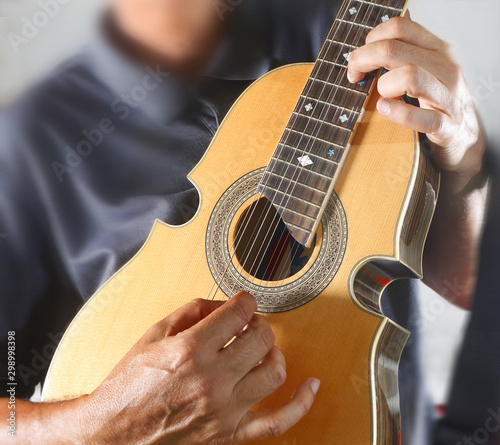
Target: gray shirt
101 148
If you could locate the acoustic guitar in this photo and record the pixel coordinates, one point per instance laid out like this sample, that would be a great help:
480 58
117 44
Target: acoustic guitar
314 203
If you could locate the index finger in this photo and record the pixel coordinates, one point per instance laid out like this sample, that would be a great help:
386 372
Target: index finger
227 321
406 30
263 425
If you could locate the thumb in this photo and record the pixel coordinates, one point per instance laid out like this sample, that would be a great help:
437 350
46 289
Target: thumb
184 318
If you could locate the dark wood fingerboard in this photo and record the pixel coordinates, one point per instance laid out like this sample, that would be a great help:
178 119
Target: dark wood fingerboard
306 164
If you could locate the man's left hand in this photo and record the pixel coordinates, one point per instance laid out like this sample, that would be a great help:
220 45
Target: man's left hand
422 66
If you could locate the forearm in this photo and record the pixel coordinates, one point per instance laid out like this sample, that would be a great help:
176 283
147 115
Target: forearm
452 251
41 423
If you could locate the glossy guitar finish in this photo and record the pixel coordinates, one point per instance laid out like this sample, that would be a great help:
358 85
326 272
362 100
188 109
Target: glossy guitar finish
386 197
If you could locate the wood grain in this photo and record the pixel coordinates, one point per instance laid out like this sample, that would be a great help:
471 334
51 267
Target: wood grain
335 337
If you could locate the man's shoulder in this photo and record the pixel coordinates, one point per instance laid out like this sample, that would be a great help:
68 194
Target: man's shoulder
53 103
69 84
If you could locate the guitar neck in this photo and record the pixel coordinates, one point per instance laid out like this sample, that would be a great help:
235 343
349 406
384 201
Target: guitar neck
307 162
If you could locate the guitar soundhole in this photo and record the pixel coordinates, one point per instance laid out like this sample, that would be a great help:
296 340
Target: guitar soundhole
234 216
264 246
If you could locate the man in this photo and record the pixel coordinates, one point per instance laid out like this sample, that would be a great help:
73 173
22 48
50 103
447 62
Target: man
473 412
102 148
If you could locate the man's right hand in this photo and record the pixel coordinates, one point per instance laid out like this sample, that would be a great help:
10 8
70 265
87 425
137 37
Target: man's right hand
182 383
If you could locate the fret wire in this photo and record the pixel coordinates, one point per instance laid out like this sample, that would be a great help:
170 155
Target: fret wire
325 124
332 63
341 80
322 121
290 179
297 166
343 87
339 43
302 215
354 23
331 161
295 197
317 181
292 224
311 128
349 110
329 144
381 6
320 158
315 137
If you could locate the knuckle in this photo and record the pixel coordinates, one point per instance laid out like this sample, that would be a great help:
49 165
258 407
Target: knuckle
398 26
277 376
412 74
275 427
197 303
391 49
267 336
158 331
436 125
353 57
187 350
446 47
207 389
242 310
305 407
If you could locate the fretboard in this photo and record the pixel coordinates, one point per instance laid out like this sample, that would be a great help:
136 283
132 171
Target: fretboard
306 164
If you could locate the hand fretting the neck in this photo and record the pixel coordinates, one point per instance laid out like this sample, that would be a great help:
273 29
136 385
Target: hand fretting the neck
307 162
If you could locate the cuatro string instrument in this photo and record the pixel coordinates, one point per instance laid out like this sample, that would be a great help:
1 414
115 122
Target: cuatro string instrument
314 203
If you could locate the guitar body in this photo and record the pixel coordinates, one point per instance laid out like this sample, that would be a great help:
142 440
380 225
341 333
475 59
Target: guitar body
372 233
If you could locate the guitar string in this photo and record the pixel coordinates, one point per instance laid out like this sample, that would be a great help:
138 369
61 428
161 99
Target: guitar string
325 50
262 216
325 107
358 35
257 196
369 10
283 245
356 111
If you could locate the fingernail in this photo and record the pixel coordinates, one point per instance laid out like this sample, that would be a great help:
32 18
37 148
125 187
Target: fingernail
383 106
349 78
315 385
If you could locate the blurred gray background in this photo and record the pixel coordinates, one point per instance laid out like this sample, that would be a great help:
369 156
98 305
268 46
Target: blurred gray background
471 26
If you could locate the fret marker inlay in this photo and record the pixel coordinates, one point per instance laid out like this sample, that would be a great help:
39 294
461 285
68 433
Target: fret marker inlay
305 161
312 150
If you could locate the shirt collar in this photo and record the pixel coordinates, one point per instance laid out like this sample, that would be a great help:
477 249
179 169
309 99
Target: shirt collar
243 54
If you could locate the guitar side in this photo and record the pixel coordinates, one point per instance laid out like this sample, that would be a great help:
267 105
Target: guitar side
388 190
